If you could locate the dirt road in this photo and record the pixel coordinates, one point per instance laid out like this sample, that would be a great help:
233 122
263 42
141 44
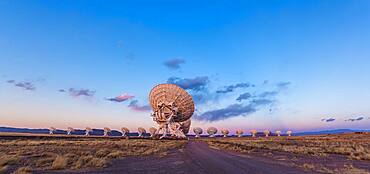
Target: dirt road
196 158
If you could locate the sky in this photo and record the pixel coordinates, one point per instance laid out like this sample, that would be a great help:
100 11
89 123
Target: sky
278 65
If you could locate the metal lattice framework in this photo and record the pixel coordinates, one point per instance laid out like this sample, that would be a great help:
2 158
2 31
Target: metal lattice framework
172 109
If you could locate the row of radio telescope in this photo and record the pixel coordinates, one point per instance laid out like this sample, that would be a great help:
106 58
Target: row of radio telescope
172 109
212 131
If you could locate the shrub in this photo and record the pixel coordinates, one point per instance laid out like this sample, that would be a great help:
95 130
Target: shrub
60 162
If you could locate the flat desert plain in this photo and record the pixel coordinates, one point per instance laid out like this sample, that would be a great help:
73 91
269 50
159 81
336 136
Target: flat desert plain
36 153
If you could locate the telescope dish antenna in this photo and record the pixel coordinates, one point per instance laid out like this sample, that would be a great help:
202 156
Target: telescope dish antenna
87 131
153 131
212 131
106 131
172 109
225 132
289 132
198 131
125 131
141 131
253 132
185 126
278 133
239 133
52 130
266 132
70 130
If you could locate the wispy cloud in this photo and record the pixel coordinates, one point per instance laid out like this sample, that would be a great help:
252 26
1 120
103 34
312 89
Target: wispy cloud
79 92
283 85
238 109
121 98
10 81
24 85
227 112
245 104
195 84
355 119
174 64
231 88
136 107
268 94
328 119
244 96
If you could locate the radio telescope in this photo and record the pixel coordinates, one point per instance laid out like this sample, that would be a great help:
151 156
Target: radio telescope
225 132
278 133
125 131
152 131
211 131
172 107
87 131
52 130
70 130
253 132
266 132
185 126
239 133
198 131
106 131
141 131
289 132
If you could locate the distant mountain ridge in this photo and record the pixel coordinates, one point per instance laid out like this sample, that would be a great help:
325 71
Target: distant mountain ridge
117 133
334 131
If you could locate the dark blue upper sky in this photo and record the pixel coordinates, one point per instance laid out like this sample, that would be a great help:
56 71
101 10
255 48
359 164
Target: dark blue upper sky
253 64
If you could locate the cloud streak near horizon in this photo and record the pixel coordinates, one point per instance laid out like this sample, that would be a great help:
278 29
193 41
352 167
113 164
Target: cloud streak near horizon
121 98
140 108
355 119
328 119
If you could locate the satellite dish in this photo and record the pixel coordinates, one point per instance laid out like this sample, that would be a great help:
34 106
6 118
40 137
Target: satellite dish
171 105
152 131
185 126
87 131
198 131
212 131
107 130
239 133
225 132
174 96
125 131
141 131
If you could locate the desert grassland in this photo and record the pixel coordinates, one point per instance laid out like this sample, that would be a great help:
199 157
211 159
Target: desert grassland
354 147
27 155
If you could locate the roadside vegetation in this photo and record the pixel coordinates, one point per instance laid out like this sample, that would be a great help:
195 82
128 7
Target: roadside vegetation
25 155
321 153
354 146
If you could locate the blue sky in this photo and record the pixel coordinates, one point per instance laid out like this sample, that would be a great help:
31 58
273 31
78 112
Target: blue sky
61 60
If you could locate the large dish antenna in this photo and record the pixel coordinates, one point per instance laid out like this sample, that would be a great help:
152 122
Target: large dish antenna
172 107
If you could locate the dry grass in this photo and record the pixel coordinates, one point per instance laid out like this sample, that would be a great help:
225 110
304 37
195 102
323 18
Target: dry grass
354 146
60 162
78 153
23 170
